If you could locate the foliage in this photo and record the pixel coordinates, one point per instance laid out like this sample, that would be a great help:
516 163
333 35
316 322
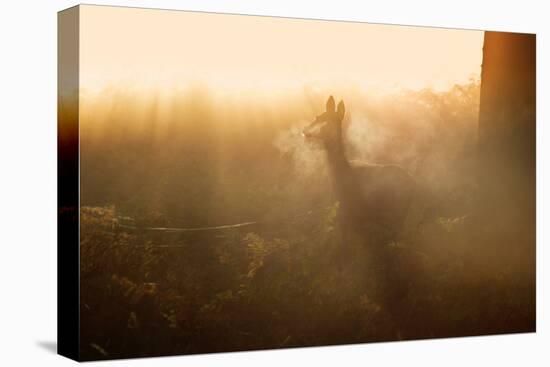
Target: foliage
287 281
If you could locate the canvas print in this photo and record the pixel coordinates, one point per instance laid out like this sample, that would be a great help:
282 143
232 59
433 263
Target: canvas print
233 183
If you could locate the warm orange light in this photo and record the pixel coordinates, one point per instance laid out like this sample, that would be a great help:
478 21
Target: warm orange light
228 52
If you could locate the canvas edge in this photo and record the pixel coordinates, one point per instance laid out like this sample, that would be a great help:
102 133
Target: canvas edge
68 190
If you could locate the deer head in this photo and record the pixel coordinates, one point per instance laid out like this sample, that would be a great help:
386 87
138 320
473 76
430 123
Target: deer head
327 127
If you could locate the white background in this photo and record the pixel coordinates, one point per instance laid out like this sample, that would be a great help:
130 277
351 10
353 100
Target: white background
28 183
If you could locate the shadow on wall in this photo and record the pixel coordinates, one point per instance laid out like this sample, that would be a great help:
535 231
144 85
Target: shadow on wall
48 345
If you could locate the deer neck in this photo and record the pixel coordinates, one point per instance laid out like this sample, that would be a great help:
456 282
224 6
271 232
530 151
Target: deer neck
340 171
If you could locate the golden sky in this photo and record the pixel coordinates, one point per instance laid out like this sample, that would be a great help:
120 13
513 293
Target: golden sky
229 52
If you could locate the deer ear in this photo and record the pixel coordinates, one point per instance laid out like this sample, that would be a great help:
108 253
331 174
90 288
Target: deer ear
341 110
330 104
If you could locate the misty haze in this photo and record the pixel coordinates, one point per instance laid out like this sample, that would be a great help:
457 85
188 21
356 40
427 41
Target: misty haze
268 211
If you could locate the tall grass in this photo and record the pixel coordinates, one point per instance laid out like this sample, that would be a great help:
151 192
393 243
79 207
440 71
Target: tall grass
194 157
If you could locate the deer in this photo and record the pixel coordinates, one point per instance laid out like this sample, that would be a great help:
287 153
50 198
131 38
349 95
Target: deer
371 196
374 199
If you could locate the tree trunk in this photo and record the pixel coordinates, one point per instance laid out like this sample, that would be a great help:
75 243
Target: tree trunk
507 119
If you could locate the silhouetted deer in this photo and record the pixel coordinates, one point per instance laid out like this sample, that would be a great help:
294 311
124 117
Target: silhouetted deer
374 202
374 199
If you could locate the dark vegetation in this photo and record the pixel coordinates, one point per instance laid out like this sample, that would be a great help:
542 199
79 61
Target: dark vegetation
194 159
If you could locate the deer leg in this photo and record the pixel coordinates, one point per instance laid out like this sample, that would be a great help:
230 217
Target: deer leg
394 291
342 249
344 233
